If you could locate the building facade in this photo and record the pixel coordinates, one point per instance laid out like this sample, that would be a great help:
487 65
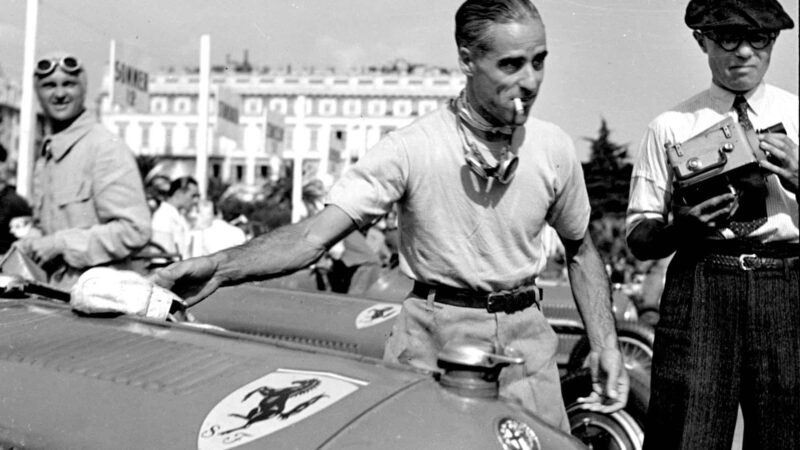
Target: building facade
327 119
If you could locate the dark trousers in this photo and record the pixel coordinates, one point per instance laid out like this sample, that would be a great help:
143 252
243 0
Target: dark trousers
726 337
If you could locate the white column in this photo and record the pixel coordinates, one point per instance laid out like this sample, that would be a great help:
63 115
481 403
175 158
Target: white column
324 147
201 168
27 119
298 152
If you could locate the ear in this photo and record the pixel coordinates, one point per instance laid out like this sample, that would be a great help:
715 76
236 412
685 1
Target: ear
701 40
465 61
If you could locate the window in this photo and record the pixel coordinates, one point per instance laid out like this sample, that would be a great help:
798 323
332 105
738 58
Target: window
146 134
401 108
313 138
352 107
338 138
192 136
122 127
182 105
239 169
327 107
253 105
168 127
426 106
158 105
376 107
278 104
216 170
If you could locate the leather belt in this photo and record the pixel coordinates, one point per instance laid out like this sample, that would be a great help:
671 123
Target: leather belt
751 261
507 301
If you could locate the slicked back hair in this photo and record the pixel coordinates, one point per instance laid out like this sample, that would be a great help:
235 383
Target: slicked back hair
474 17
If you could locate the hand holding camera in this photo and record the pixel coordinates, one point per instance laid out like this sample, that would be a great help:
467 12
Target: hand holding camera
781 158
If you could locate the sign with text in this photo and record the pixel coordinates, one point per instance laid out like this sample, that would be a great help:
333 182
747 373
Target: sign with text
229 106
130 88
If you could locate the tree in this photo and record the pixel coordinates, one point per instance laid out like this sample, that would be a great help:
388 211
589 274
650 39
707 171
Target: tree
607 175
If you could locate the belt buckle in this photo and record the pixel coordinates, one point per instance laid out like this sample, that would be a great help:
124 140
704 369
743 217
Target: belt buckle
742 261
497 301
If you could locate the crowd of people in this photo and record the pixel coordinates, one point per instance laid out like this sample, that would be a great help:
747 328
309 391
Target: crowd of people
481 189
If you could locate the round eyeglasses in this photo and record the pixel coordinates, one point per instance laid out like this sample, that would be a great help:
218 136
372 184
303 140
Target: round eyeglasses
730 41
69 64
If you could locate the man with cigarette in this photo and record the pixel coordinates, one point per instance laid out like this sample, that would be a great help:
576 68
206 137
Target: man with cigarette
475 183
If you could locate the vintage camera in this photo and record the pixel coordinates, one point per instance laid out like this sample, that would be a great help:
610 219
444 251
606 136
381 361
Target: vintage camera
721 159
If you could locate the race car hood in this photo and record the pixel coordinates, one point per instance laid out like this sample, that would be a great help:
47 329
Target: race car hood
336 321
71 381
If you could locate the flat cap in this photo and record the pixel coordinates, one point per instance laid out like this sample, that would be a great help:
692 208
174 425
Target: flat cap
748 14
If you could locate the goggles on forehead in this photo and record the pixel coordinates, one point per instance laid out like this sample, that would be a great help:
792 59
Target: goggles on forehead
68 64
731 40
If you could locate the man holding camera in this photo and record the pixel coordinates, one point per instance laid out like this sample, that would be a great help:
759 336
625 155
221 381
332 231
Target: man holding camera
728 333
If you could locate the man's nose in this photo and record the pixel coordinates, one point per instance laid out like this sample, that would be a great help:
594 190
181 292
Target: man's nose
744 50
529 79
60 93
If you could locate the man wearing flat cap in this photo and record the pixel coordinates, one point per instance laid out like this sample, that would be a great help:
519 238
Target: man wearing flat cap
87 192
728 334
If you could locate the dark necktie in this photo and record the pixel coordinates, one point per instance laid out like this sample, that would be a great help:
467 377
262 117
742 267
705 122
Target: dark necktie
752 209
740 106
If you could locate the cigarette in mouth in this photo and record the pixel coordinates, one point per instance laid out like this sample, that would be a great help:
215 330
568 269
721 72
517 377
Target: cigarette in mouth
518 106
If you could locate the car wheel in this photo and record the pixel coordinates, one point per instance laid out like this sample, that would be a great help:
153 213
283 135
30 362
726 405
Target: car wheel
621 430
635 343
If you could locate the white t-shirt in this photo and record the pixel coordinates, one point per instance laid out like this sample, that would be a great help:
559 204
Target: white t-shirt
459 229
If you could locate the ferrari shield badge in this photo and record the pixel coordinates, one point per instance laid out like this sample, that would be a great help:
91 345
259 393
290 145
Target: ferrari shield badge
516 435
376 314
270 403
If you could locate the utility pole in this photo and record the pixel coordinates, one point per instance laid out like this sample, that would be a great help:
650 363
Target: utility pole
27 114
201 167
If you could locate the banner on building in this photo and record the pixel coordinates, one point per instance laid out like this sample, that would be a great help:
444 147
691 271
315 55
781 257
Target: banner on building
274 132
130 86
229 107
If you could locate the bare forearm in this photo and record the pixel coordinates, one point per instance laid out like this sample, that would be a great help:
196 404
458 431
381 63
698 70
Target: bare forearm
283 250
592 292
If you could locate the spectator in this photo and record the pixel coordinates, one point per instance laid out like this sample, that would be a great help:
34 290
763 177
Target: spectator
22 226
210 233
11 204
157 190
88 197
171 229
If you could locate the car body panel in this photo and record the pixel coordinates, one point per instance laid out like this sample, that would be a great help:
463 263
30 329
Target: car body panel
328 320
71 381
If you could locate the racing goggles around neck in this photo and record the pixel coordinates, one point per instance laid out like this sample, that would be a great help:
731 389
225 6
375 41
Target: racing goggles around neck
505 169
68 64
731 40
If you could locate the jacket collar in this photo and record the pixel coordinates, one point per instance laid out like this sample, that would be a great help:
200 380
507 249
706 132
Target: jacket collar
59 144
